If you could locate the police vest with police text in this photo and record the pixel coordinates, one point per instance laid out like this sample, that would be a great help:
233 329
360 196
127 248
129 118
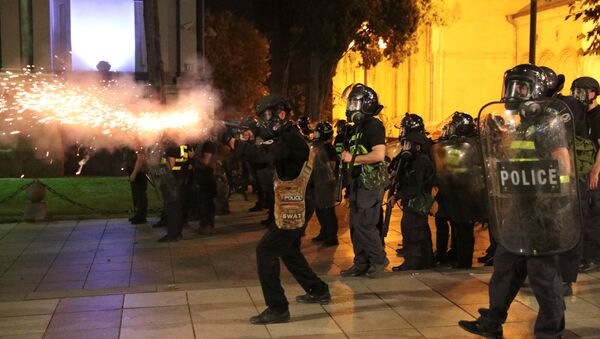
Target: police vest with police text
290 197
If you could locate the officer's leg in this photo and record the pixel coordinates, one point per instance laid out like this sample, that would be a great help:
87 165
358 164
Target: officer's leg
296 263
142 210
361 260
416 241
591 230
441 236
366 234
465 243
268 251
328 220
134 196
506 281
544 277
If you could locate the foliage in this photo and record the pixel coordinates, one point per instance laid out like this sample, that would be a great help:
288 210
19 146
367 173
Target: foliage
316 34
589 12
238 55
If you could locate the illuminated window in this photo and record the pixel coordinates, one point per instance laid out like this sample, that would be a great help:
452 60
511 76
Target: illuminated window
102 30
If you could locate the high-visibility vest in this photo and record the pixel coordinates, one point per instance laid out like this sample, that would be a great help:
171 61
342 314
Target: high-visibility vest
183 158
290 197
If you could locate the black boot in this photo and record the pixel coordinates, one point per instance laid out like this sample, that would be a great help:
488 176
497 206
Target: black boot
315 298
353 271
483 326
270 316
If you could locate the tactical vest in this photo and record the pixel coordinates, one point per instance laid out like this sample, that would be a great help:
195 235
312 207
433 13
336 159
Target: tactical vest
290 197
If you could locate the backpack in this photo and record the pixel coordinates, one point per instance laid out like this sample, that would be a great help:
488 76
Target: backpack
585 153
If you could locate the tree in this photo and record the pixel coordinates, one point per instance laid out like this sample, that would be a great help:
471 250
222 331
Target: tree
238 55
317 33
588 11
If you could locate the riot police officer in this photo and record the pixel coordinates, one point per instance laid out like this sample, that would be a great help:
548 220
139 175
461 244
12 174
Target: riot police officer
260 156
416 180
585 90
414 123
290 156
368 175
322 185
532 195
460 181
160 164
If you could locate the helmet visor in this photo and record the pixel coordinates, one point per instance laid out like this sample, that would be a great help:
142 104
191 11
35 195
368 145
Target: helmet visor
354 104
580 94
518 89
267 115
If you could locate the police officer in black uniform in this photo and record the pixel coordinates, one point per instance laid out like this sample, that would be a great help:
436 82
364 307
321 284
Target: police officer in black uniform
289 152
136 170
365 157
460 183
534 208
161 166
417 174
322 185
260 157
586 89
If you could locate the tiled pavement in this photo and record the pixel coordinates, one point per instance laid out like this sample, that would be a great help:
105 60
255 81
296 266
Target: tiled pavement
108 279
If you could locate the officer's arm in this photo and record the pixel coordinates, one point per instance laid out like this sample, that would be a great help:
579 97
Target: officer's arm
376 155
564 160
595 172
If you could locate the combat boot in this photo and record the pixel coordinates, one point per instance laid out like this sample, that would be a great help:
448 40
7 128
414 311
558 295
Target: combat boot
483 326
270 316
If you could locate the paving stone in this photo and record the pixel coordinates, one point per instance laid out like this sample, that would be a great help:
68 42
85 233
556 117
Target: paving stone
76 321
97 303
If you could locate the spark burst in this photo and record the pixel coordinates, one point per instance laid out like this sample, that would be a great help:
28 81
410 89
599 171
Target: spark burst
111 110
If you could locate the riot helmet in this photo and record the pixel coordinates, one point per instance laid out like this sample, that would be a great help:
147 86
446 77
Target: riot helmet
304 125
461 124
268 109
523 82
411 122
323 131
554 82
361 102
582 87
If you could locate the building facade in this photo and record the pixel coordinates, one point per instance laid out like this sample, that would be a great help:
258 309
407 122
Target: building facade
460 66
74 35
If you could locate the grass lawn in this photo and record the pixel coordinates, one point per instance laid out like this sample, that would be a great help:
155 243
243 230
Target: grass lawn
108 196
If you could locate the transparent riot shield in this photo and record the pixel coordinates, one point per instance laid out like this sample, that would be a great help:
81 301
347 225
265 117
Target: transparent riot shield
531 178
459 173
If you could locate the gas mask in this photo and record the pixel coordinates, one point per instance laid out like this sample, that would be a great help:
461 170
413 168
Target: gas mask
409 149
582 94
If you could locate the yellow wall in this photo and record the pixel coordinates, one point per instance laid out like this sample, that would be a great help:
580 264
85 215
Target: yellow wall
460 66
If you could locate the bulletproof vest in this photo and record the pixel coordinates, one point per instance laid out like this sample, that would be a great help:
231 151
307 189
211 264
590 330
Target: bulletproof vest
182 161
290 196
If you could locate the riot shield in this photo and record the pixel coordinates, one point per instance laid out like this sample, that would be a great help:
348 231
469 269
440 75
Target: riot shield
460 179
531 178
